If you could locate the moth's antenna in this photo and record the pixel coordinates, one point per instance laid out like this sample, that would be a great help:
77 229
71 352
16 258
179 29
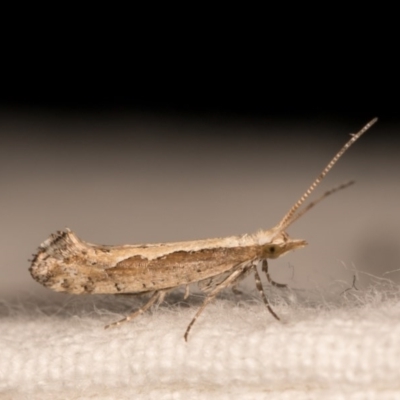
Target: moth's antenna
290 217
322 197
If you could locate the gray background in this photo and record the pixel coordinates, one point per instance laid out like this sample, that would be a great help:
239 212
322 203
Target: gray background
121 178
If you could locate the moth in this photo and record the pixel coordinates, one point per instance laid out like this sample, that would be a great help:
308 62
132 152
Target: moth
65 263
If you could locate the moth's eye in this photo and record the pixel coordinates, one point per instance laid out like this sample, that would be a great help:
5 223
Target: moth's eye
272 249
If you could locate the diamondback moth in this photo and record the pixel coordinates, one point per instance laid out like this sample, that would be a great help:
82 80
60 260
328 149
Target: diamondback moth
68 264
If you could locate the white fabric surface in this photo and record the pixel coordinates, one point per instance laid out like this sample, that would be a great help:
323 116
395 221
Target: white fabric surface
349 349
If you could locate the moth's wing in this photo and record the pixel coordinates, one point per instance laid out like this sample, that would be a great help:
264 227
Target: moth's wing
64 263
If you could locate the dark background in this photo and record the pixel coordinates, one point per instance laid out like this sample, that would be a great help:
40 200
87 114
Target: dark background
347 92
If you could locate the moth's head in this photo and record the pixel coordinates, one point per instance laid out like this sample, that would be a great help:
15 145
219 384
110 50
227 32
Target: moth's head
279 242
280 245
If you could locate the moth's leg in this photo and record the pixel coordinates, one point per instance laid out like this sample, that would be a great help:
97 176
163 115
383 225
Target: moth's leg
264 269
225 283
157 297
186 295
261 291
235 290
237 281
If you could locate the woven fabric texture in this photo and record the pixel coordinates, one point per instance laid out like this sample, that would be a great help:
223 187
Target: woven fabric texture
236 350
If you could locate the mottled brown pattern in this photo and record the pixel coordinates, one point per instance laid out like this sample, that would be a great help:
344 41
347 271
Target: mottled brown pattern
65 263
178 268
